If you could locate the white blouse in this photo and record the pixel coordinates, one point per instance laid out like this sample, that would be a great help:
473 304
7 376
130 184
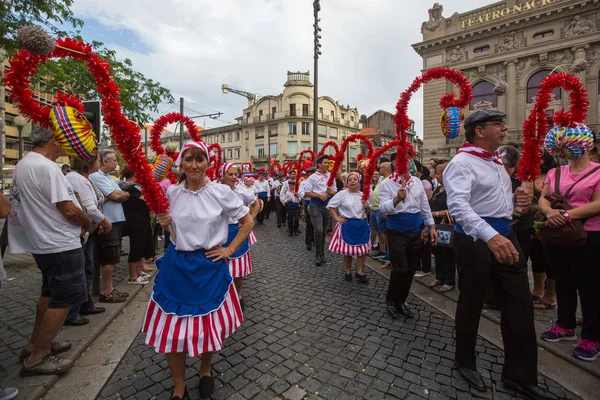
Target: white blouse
349 205
200 218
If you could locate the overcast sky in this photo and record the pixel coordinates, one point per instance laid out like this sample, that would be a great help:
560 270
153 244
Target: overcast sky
192 47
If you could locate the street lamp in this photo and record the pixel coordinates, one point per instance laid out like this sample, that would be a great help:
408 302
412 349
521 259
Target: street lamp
317 53
20 122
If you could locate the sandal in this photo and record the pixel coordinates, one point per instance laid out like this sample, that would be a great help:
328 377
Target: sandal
542 305
446 288
112 298
435 283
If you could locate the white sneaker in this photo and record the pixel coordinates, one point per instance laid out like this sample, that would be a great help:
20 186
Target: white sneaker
8 393
145 275
138 281
421 274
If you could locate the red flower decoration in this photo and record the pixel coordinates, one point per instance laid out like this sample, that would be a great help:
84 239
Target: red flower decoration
535 126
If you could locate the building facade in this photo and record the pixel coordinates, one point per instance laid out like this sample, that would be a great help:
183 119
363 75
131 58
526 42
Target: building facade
280 127
381 129
513 41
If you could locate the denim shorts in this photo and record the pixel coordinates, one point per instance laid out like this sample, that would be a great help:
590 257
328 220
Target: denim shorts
376 221
109 245
63 277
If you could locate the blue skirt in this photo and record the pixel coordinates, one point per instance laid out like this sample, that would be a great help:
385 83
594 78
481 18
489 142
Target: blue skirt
232 232
190 284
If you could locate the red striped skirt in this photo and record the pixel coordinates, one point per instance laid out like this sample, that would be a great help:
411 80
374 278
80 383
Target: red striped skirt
252 238
337 244
241 266
195 334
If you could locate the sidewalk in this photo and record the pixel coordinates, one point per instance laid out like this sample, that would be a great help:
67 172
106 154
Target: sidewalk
309 334
18 298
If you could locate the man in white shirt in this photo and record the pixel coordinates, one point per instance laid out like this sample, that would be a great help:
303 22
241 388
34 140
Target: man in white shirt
264 193
47 221
109 252
480 199
403 201
309 235
279 207
319 193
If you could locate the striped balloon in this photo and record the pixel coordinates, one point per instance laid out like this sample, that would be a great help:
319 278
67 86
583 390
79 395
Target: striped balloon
73 132
451 121
569 142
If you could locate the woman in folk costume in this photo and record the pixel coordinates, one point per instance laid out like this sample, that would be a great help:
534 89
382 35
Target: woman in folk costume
195 306
240 263
351 235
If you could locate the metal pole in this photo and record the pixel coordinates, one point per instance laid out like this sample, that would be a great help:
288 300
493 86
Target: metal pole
316 8
181 126
146 141
20 130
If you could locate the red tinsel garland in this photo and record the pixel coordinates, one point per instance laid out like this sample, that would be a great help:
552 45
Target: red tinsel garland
159 127
273 165
448 100
126 134
535 126
331 143
340 155
212 170
368 178
301 166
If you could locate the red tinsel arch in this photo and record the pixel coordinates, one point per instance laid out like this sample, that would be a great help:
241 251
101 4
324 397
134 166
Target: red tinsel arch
368 178
331 143
535 126
125 133
448 100
159 127
339 156
301 166
214 167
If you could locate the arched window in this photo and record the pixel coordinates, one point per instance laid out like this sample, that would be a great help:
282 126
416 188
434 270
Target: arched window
533 85
483 91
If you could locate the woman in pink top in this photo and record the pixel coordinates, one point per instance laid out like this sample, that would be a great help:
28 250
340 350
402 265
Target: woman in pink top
576 269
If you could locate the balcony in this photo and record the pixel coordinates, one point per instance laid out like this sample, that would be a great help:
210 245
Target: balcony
263 157
11 131
289 156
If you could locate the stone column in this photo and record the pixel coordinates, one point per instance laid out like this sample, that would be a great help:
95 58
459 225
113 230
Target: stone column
511 94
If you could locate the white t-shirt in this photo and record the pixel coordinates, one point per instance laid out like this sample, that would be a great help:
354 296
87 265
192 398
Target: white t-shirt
35 225
349 205
200 218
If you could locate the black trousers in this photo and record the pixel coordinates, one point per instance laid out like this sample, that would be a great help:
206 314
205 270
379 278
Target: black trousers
424 262
320 216
309 234
405 250
477 270
293 219
281 212
445 265
576 270
263 213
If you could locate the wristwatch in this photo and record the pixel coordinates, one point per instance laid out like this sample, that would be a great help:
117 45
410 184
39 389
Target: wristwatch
567 217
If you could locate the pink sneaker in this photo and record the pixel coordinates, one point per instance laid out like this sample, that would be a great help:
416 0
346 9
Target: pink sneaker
586 350
556 334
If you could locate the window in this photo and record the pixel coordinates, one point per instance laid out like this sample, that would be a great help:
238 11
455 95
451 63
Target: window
292 110
236 154
237 136
321 110
229 137
273 149
260 150
305 110
333 133
305 145
481 50
247 116
247 135
322 130
247 153
543 35
343 116
353 152
292 128
292 149
273 111
260 113
483 91
259 133
229 154
306 128
273 130
533 85
223 138
352 118
332 114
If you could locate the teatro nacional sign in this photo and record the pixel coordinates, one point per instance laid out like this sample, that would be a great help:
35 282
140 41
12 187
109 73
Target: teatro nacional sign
504 12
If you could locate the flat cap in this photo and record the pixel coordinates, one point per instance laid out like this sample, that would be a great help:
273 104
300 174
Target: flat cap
481 116
311 169
280 175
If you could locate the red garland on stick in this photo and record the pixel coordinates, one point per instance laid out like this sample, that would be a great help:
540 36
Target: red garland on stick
212 170
368 178
125 133
339 156
301 166
159 127
535 126
275 166
448 100
331 143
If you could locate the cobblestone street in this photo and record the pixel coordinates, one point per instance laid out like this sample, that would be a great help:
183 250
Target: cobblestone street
310 334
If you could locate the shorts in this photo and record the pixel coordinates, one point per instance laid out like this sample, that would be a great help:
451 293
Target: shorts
376 221
139 233
63 277
109 245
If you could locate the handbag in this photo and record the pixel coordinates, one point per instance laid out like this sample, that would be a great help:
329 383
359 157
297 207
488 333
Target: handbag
571 234
445 231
